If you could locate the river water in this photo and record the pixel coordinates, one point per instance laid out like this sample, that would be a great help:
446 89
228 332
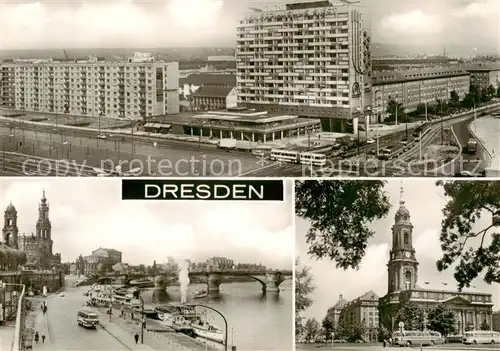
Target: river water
256 321
487 130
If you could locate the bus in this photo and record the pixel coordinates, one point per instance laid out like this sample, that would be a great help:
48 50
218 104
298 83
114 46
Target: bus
481 337
87 317
417 337
421 132
471 147
309 158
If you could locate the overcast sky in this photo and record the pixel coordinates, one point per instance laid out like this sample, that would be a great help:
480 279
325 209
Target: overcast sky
87 214
29 24
424 201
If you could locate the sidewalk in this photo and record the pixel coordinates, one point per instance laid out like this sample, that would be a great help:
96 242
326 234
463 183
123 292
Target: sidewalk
7 337
126 328
124 337
38 322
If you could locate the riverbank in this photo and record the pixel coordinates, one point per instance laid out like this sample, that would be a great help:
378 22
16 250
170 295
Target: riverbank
487 131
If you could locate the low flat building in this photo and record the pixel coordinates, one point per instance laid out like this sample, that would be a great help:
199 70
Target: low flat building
247 125
405 63
485 74
190 84
214 98
417 86
363 311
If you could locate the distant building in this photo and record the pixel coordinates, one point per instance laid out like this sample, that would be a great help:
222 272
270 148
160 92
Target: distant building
483 75
472 310
221 58
190 84
333 313
38 246
92 88
363 311
214 98
141 57
414 87
496 321
311 58
406 63
101 260
220 263
109 257
90 266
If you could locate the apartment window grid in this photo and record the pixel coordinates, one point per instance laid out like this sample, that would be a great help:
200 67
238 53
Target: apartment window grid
84 89
285 55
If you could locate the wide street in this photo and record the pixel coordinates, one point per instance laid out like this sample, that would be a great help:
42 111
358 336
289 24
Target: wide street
170 158
60 328
363 347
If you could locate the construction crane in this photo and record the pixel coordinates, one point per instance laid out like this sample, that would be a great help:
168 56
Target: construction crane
66 55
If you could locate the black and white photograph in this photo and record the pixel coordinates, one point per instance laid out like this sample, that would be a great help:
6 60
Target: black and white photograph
221 88
81 269
412 263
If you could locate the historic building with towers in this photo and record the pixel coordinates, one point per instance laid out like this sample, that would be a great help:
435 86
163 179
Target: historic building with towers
473 310
38 245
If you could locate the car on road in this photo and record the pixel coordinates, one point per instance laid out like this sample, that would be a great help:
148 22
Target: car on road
370 141
61 295
102 136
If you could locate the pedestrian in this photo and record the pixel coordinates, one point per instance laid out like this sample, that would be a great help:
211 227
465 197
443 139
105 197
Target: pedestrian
136 337
43 338
36 337
132 315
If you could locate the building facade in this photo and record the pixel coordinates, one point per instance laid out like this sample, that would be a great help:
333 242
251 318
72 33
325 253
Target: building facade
363 311
101 260
471 309
415 87
94 88
190 84
333 313
220 263
214 98
484 75
38 245
496 321
310 58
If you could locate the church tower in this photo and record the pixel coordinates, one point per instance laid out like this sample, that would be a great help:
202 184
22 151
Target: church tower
10 231
402 266
43 226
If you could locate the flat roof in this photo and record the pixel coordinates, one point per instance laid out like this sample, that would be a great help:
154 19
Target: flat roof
253 117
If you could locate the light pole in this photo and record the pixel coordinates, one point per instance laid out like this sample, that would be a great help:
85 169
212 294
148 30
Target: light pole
223 318
143 319
441 113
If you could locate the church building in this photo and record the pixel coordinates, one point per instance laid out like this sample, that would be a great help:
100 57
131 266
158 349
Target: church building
38 246
472 309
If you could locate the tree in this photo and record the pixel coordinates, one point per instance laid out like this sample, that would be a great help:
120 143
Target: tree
485 326
420 109
394 107
311 330
339 213
467 202
351 332
441 319
153 269
142 269
411 316
382 333
498 92
454 98
491 91
303 288
328 327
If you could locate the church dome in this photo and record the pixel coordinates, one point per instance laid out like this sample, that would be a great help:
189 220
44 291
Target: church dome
10 208
402 211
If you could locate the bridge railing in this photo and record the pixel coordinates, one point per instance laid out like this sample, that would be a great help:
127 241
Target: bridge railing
20 320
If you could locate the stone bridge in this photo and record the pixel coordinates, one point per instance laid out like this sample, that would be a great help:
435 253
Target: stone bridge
270 280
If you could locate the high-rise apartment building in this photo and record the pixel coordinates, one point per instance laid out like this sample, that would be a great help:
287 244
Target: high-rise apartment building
310 59
91 88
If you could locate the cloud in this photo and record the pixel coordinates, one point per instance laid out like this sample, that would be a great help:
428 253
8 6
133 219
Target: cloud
478 10
414 22
91 214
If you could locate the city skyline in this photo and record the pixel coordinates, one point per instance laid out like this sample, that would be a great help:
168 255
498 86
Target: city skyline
84 213
143 23
425 215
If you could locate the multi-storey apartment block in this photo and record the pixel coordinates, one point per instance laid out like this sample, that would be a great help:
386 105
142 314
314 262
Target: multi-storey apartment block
308 58
418 86
108 89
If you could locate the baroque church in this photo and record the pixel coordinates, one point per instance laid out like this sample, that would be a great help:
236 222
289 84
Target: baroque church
37 246
471 309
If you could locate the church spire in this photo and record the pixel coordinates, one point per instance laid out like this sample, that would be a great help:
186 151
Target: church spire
401 193
44 199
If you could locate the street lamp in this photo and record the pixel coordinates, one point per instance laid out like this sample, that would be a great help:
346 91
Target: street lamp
143 319
441 113
223 318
